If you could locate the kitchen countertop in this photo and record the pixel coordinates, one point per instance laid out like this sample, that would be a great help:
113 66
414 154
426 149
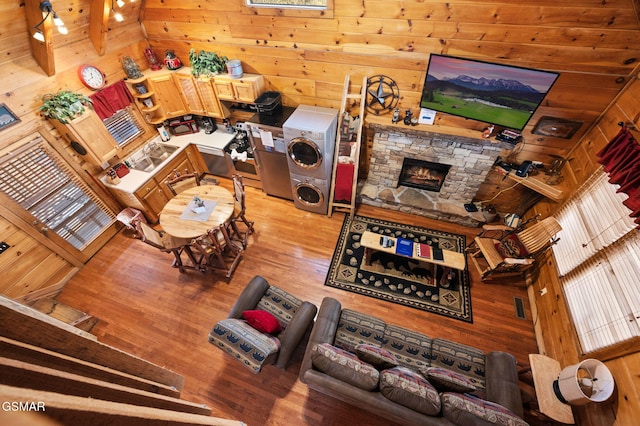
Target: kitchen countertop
133 180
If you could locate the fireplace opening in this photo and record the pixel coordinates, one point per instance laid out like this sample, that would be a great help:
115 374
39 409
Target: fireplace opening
422 174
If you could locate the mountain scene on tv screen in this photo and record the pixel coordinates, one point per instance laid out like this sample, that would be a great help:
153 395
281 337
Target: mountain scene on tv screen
505 102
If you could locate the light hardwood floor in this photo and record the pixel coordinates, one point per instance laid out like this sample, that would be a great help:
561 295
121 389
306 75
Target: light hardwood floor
151 310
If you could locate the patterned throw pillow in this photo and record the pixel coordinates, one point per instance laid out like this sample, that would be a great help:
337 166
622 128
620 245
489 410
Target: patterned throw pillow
376 356
464 410
344 366
262 321
511 246
447 381
409 388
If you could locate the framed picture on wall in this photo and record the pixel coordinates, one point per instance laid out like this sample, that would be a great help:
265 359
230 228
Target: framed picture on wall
556 127
7 117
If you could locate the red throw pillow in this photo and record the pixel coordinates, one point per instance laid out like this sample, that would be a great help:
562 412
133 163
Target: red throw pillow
262 321
511 246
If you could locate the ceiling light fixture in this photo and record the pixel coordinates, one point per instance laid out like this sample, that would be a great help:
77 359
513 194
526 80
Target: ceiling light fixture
47 7
117 15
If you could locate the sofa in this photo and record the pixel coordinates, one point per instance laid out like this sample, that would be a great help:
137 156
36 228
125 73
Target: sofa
406 376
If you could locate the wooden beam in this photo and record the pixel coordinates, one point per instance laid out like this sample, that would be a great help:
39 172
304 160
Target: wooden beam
99 24
19 322
42 51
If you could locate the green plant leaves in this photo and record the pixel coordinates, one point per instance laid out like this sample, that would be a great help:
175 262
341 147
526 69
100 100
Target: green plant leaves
206 63
64 105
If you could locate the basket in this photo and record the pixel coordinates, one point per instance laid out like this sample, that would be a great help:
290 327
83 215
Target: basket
269 103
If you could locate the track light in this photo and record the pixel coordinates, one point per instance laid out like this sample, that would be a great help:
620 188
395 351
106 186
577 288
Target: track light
120 3
39 36
47 7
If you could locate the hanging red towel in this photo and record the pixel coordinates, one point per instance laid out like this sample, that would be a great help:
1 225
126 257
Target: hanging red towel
344 182
111 99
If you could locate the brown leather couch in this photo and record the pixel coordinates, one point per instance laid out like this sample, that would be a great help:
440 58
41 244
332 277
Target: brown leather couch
333 326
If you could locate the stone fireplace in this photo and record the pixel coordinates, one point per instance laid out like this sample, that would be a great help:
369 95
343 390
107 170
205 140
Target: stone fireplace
468 160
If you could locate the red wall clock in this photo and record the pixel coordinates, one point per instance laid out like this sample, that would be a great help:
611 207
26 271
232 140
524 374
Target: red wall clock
91 77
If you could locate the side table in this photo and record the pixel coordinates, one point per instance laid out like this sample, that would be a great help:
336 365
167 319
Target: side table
544 371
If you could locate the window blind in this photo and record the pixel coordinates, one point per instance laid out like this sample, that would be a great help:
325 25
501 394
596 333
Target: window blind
598 258
593 219
289 3
123 126
603 295
47 188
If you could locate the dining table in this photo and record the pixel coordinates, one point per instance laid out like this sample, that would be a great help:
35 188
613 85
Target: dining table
195 211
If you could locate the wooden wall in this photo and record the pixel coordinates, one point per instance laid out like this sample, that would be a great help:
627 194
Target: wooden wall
594 44
556 335
29 268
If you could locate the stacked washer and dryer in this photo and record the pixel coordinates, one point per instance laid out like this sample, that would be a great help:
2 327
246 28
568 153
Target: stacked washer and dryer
310 136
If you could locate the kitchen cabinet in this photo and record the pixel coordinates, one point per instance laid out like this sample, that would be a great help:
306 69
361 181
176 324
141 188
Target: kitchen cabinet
152 196
91 133
199 95
189 92
209 97
167 94
245 89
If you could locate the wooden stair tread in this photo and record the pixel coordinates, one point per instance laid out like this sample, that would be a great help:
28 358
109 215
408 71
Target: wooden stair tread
65 313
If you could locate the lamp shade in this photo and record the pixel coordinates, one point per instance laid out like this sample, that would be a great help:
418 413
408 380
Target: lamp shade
587 381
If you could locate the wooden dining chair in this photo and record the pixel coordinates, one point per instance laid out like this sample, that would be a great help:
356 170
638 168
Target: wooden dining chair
178 182
217 252
239 226
168 244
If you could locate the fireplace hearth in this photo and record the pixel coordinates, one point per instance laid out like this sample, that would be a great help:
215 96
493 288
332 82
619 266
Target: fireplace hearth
422 174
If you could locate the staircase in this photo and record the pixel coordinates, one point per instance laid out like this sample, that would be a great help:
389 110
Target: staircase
65 313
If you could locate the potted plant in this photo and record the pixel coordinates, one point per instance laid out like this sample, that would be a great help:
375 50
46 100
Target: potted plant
206 63
64 105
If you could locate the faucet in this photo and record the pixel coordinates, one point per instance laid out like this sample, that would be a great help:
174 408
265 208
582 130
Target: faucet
150 147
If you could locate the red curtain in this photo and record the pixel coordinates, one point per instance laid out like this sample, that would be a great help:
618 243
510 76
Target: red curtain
111 99
620 158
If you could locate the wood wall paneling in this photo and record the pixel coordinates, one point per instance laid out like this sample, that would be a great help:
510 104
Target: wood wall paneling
593 45
554 324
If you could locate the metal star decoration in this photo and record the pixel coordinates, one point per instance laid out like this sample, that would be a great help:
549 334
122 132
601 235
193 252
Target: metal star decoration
382 94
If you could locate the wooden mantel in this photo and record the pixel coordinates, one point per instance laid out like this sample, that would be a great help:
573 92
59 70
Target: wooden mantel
385 121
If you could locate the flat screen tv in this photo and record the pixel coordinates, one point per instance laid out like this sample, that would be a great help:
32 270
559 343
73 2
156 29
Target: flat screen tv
502 95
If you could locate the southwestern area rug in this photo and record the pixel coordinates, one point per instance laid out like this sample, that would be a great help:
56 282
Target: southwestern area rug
397 279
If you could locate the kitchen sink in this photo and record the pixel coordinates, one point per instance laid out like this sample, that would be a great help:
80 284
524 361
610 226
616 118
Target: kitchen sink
151 156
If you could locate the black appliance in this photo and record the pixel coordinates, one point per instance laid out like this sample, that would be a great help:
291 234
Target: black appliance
207 124
242 157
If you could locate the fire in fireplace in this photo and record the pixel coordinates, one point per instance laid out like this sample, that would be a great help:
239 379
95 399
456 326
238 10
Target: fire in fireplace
422 174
